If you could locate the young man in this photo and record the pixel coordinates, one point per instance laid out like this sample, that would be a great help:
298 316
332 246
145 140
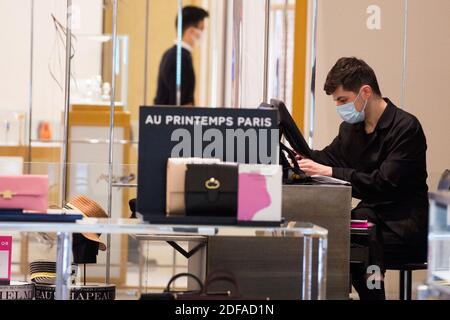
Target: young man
381 150
193 26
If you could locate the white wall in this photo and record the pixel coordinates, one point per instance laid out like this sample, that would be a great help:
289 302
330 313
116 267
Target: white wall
14 63
428 79
49 52
342 31
253 49
252 68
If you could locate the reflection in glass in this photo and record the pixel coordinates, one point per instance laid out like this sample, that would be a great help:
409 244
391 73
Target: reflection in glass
88 85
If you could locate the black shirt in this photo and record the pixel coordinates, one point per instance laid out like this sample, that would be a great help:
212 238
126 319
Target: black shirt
387 170
167 88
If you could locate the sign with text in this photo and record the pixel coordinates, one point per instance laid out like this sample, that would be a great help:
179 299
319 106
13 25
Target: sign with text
5 259
232 135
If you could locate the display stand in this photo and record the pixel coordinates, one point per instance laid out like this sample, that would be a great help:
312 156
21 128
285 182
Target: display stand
308 232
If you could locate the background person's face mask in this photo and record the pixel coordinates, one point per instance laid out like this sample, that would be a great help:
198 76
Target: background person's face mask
349 113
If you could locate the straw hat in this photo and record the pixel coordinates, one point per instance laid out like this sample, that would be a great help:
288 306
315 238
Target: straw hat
89 209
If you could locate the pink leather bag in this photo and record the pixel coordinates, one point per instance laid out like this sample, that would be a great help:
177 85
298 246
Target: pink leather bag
27 192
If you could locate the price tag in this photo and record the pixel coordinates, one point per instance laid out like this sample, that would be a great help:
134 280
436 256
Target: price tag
5 259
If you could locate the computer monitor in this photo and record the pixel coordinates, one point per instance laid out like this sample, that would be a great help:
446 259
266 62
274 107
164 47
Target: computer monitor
289 129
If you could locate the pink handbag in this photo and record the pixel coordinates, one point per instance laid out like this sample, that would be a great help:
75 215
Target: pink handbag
27 192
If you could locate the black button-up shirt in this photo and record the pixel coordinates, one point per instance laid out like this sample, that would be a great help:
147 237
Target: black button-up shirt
387 170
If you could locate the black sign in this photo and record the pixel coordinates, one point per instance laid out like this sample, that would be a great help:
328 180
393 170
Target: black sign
233 135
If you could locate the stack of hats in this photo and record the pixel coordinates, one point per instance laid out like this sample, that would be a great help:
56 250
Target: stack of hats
43 275
44 272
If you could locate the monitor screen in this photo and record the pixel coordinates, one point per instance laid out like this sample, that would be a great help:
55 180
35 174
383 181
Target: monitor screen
289 129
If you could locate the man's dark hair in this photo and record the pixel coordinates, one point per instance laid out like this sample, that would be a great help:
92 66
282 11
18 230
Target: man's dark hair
351 74
192 16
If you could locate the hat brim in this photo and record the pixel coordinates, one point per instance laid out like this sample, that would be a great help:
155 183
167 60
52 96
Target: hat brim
94 237
43 277
90 236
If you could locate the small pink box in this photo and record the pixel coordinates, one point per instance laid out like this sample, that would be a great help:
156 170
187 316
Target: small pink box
260 193
5 259
27 192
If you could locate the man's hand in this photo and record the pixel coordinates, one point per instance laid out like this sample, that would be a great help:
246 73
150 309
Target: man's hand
312 168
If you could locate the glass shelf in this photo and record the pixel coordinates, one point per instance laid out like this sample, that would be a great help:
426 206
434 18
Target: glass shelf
147 232
130 226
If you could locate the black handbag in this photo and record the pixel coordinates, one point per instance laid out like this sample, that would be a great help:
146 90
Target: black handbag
170 294
223 279
211 190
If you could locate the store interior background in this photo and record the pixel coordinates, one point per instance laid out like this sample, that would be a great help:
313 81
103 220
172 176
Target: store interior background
344 28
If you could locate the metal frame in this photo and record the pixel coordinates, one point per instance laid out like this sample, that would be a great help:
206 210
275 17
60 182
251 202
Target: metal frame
237 54
30 102
285 46
65 146
236 87
147 18
313 44
179 51
111 134
266 50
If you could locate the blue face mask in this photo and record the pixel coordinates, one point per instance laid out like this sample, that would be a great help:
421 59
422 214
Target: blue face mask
349 113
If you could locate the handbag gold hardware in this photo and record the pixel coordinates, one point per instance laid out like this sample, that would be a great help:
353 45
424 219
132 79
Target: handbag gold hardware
7 194
212 184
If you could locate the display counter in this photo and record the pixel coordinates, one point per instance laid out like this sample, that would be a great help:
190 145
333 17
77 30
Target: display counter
270 266
312 235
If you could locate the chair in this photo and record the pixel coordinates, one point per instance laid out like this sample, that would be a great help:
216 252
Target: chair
406 270
444 183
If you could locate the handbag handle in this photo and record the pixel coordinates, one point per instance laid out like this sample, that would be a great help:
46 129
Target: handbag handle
188 275
222 276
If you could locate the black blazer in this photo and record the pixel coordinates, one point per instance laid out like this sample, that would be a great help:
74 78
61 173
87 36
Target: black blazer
167 89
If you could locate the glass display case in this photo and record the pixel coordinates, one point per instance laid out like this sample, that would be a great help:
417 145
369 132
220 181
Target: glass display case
13 128
91 71
438 280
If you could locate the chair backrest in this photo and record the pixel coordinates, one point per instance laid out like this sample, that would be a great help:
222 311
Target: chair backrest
444 183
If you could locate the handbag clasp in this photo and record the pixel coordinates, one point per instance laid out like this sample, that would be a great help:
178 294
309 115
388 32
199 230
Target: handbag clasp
7 194
212 184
